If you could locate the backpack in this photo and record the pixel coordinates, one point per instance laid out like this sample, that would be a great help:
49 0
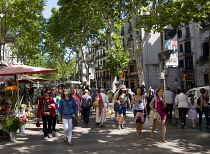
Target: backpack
85 102
123 100
206 100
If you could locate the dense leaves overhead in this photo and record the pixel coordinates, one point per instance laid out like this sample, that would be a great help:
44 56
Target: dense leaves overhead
54 42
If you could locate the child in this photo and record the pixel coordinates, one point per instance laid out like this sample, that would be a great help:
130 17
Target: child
192 114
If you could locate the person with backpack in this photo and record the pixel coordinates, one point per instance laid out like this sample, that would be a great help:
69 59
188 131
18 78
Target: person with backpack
204 100
86 101
68 109
121 99
46 109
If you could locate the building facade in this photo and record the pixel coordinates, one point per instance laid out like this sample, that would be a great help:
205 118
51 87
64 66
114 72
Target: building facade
193 45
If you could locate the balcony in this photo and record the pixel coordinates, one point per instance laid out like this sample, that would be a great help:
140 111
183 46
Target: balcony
130 29
188 51
101 55
130 39
203 58
187 36
106 77
132 74
189 68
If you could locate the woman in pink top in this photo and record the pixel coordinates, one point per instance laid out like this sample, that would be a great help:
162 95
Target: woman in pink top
77 99
159 104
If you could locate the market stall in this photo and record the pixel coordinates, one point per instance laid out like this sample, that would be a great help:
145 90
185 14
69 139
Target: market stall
12 112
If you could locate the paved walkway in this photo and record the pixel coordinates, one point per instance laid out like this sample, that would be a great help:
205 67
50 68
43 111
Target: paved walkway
93 139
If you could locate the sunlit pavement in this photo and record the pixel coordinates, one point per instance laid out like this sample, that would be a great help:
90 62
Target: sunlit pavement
94 139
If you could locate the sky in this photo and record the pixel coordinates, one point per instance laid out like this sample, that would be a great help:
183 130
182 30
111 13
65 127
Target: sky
50 4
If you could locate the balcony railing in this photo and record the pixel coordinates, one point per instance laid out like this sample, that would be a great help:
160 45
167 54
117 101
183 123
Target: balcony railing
203 58
130 28
130 39
132 74
188 50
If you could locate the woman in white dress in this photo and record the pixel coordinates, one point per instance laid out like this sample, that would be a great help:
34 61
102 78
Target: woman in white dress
103 102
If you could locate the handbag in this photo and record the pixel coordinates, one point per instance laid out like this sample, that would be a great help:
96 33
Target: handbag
164 110
74 121
38 124
146 123
96 104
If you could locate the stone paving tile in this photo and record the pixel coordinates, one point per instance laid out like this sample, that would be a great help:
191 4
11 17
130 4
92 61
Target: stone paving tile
95 140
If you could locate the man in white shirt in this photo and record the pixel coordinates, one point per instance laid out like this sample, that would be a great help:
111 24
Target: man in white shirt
181 101
169 100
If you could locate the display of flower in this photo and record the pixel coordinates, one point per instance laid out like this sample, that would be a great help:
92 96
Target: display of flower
11 125
29 115
23 121
11 95
2 119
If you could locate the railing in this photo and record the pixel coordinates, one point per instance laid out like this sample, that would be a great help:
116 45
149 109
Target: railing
130 28
203 58
130 39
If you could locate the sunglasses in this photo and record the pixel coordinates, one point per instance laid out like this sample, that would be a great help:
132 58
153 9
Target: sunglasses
47 92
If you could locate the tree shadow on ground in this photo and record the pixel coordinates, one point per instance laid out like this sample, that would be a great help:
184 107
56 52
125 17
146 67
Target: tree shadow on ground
94 139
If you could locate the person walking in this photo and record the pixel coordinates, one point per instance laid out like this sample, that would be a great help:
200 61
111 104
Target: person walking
46 109
80 91
204 100
93 94
139 108
86 101
149 99
55 118
77 100
169 97
159 104
103 102
68 110
192 114
59 91
121 100
181 101
117 86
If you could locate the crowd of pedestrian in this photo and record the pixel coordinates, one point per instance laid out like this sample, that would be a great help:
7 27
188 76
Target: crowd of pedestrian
67 104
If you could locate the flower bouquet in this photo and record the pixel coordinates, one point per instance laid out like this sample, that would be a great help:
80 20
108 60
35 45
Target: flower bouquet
2 119
11 95
30 115
23 121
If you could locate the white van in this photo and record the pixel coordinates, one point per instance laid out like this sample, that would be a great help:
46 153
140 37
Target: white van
195 92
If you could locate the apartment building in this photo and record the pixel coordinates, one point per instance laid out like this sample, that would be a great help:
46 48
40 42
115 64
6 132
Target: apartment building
193 55
151 62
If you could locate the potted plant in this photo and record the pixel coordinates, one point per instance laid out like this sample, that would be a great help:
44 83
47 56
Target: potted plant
23 122
11 125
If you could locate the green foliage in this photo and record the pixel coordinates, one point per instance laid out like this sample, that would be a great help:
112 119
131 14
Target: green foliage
117 58
11 125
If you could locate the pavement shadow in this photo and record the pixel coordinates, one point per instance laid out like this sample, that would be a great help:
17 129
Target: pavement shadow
94 139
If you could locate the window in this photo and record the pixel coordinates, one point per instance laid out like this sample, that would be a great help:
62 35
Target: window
189 63
179 33
131 68
187 47
205 50
187 32
181 47
206 79
181 63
